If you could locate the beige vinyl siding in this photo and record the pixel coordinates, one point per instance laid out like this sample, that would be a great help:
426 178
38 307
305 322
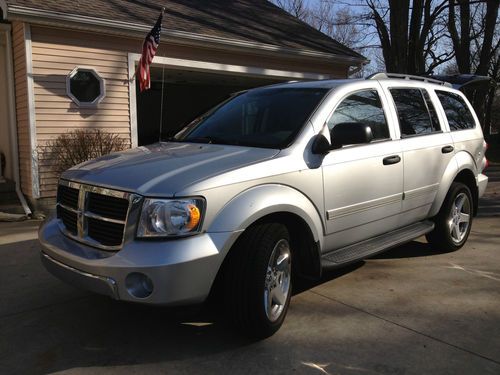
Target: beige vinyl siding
55 54
22 112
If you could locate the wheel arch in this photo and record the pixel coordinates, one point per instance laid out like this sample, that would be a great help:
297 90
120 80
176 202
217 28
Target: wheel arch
282 204
460 169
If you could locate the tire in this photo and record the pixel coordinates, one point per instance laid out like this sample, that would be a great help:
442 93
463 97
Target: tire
257 280
454 220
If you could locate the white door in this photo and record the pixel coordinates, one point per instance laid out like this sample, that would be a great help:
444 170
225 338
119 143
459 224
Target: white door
427 150
363 184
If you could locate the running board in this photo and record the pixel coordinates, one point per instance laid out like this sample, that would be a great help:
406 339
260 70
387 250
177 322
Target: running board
375 245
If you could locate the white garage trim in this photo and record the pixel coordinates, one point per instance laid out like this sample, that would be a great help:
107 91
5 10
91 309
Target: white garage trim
210 67
3 5
31 110
14 150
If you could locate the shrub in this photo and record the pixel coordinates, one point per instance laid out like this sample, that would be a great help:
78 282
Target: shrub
77 146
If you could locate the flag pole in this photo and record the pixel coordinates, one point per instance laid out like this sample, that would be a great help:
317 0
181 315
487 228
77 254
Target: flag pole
136 69
162 90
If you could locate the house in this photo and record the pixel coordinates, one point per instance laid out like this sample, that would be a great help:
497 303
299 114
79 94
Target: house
68 65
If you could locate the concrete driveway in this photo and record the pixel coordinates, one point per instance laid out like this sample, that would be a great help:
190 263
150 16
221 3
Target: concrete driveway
409 311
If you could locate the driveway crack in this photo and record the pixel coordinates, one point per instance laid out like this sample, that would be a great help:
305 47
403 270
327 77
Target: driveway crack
407 328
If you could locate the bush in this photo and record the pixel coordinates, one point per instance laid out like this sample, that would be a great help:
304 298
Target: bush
78 146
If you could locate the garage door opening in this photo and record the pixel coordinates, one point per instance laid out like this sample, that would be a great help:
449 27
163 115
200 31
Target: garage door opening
186 95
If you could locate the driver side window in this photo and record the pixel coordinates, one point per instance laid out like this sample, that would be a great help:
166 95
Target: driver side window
364 107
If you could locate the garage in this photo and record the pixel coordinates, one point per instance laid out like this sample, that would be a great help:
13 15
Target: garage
186 95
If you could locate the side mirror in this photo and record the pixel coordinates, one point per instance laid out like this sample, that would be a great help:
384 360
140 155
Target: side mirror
350 133
321 145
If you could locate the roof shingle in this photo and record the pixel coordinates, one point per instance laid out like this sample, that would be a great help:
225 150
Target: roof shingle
248 20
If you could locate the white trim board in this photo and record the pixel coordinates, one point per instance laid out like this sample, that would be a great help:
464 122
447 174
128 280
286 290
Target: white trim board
134 138
31 110
3 5
203 66
241 70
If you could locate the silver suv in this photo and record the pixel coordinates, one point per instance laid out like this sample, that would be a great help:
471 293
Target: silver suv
279 181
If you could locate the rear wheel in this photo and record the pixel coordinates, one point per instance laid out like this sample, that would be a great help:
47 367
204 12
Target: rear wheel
258 280
454 220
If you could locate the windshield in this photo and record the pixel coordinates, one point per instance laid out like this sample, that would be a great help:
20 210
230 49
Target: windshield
268 117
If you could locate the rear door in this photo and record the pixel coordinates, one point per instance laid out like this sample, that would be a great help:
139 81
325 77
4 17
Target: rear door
427 149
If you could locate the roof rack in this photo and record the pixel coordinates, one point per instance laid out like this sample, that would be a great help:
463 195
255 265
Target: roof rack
408 77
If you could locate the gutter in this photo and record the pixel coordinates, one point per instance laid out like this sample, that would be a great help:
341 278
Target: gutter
136 30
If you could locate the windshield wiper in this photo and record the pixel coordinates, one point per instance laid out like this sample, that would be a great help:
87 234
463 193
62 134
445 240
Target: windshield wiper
212 140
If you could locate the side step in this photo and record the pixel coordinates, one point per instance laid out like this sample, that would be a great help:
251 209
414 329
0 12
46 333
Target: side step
375 245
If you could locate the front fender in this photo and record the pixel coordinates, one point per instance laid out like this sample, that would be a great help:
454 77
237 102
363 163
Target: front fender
257 202
461 161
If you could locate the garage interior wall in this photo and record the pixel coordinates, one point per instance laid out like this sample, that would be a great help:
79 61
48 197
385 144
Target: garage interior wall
186 95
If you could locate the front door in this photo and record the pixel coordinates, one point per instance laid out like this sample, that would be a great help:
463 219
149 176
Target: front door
363 184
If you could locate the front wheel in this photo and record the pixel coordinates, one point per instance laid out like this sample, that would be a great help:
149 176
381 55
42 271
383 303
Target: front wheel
258 279
454 220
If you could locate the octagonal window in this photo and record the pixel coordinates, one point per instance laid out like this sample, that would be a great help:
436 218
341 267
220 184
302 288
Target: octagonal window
85 86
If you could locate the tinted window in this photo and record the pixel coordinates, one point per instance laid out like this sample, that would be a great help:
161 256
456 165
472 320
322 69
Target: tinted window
457 112
268 117
413 115
364 107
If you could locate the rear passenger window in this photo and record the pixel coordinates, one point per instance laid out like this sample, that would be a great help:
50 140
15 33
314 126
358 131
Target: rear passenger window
364 107
457 112
416 113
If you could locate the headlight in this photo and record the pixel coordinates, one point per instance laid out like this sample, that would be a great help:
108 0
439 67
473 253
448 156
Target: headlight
170 217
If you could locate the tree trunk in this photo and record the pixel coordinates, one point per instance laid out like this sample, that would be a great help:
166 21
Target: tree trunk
489 31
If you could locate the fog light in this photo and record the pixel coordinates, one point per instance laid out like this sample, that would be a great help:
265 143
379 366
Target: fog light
139 285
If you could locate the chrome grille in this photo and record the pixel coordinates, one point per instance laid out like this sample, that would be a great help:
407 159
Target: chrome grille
68 196
94 215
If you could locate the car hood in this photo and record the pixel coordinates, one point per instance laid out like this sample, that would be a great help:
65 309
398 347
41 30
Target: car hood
162 169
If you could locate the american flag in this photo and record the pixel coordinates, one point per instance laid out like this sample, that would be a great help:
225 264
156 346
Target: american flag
149 48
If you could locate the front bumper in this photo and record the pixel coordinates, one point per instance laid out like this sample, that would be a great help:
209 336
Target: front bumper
181 271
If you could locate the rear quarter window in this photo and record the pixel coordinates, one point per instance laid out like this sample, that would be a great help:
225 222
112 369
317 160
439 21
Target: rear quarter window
457 112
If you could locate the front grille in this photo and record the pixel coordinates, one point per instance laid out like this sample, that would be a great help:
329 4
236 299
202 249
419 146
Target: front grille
69 219
67 196
104 205
109 234
93 215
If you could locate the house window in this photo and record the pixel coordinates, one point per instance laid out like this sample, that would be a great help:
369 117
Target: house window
85 87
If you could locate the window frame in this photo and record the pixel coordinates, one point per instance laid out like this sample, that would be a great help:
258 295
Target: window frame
100 79
433 132
384 110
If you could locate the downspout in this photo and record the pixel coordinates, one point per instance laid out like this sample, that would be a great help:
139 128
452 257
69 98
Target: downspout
357 68
12 125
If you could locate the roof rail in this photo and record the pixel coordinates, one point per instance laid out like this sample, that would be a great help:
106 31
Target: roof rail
408 77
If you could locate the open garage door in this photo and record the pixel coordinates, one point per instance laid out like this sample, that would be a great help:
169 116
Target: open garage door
186 95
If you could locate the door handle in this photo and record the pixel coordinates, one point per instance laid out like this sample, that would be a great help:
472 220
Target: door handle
447 149
391 160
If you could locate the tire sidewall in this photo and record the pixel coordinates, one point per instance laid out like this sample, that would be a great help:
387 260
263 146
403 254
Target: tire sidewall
263 257
444 216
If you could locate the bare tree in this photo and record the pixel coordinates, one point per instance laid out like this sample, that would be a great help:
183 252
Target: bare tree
296 8
472 32
475 36
409 32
